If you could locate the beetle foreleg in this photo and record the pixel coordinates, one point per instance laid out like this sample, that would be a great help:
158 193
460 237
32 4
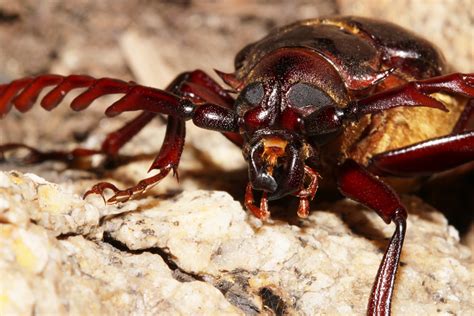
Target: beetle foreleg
167 160
201 88
415 93
358 184
172 148
180 101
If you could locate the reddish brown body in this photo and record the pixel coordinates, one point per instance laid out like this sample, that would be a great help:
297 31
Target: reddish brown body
311 97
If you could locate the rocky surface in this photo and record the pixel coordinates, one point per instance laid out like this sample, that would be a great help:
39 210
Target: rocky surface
48 266
198 252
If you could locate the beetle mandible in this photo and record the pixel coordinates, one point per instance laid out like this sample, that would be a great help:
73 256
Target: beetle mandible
299 90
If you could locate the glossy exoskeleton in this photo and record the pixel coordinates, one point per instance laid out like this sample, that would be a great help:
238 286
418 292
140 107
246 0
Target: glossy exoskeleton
300 89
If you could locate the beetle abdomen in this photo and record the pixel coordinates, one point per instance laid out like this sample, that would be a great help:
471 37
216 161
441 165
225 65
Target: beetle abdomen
360 49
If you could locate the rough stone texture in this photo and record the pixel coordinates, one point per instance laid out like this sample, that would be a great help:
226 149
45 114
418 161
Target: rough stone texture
198 252
48 267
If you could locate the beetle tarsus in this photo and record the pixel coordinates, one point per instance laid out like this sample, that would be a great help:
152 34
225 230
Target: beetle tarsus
303 207
307 194
99 188
128 193
259 212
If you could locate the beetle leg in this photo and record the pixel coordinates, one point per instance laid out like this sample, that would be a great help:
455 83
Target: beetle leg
180 101
426 157
259 212
466 119
197 87
127 194
36 156
308 193
110 146
415 93
358 184
167 160
200 87
114 141
24 92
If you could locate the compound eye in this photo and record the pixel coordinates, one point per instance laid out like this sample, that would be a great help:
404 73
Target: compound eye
253 93
302 95
250 96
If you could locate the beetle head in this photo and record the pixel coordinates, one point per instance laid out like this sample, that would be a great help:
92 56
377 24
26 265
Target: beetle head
279 93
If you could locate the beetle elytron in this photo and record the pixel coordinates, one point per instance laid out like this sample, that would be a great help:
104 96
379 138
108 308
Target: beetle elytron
298 89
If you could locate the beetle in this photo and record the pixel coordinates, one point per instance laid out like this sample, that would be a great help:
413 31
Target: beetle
297 98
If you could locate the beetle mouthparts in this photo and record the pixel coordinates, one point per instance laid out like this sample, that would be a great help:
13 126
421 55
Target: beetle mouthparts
265 182
273 148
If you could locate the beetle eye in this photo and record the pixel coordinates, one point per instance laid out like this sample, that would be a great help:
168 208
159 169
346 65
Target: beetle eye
250 96
303 94
253 93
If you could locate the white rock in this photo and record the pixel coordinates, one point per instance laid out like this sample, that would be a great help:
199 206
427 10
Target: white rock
217 259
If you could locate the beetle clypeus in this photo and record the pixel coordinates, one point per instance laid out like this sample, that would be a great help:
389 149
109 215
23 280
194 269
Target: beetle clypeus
298 89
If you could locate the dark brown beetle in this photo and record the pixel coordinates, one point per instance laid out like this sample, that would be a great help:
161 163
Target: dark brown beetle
307 94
